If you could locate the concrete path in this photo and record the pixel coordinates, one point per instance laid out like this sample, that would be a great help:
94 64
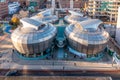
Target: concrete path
60 53
62 65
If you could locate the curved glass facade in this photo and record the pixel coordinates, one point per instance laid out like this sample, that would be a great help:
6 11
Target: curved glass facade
74 18
33 37
87 36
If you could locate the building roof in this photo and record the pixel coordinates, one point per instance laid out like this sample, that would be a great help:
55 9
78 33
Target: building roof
75 17
31 23
32 31
87 32
90 24
45 16
47 12
75 13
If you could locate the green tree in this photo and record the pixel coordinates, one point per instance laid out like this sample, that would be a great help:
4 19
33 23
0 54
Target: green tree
14 22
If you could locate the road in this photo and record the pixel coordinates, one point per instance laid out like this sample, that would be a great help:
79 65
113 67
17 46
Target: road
114 75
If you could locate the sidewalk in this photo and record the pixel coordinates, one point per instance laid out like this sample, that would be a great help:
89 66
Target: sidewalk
61 65
3 37
13 62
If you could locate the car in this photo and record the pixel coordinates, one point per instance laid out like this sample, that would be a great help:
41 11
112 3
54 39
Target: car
12 73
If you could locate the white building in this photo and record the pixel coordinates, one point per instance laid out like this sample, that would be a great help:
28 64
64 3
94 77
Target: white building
118 28
13 7
99 8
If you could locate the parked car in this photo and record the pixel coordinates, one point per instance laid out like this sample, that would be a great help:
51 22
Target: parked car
12 73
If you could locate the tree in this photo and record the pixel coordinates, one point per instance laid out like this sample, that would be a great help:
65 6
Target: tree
14 22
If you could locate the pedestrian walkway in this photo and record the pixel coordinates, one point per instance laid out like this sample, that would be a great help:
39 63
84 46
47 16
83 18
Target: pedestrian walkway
3 37
65 65
59 65
60 53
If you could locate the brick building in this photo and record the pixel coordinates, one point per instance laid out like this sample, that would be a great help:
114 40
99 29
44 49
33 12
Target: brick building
3 9
21 1
66 3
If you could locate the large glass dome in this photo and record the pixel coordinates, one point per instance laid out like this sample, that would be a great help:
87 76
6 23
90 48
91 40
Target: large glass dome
33 37
87 36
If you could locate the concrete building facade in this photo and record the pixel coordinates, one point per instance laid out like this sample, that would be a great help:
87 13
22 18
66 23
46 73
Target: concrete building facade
73 3
102 8
113 9
27 2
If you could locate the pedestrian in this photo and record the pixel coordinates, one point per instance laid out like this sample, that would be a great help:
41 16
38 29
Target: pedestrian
113 60
74 56
53 63
63 68
13 50
74 64
52 56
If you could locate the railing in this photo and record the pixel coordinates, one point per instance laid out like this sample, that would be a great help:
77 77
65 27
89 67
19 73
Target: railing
116 60
115 43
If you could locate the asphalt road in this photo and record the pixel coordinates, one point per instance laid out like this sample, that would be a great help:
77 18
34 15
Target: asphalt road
114 75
